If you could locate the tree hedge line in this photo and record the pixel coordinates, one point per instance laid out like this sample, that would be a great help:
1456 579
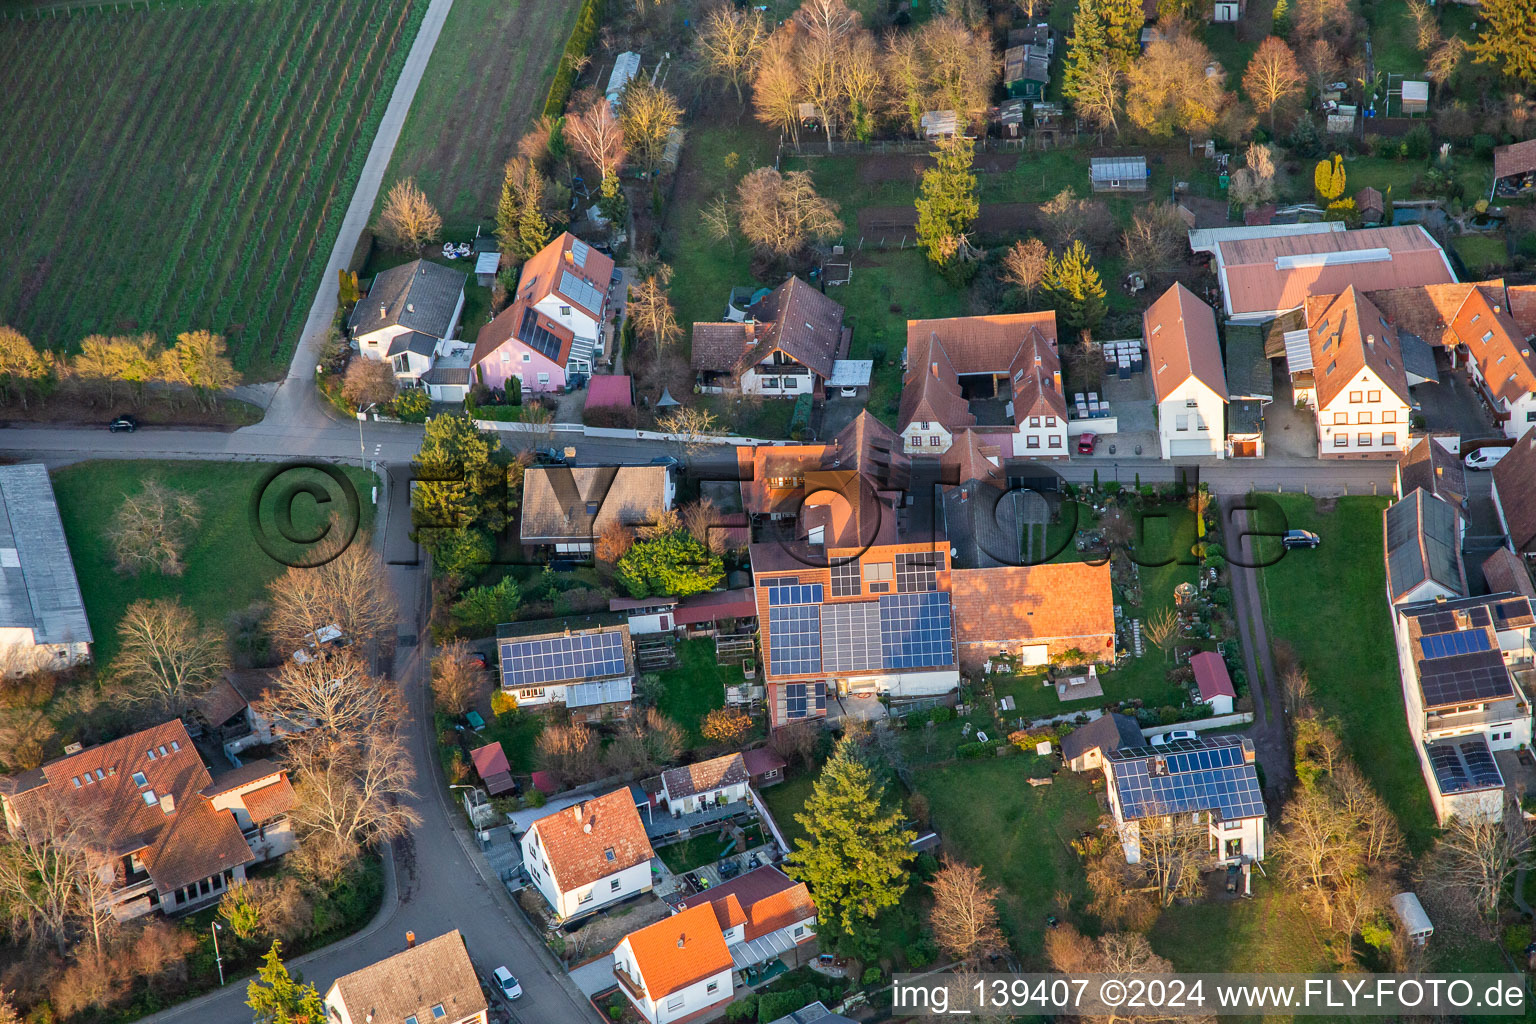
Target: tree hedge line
576 47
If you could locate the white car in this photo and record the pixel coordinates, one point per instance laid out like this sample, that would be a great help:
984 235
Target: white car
1169 737
1484 458
325 638
509 985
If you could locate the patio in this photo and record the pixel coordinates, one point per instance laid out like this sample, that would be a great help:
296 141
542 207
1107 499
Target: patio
1131 405
660 822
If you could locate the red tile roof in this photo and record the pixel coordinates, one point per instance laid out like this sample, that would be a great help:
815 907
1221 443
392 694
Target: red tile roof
974 459
1519 158
1505 571
1066 601
270 802
679 951
761 760
609 390
1348 334
490 760
716 605
1182 342
508 322
765 900
1498 344
594 839
1211 675
939 352
544 273
1514 479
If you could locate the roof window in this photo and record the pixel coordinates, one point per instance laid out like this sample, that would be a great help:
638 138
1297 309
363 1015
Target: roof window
149 798
140 780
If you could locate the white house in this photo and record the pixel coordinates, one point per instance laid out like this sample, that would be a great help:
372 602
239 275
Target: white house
676 969
568 508
583 857
762 914
1084 747
1212 779
433 982
1213 681
409 318
1356 383
787 345
1423 548
589 671
1190 383
1499 358
42 615
720 780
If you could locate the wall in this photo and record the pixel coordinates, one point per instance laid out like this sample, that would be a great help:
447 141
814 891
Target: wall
1205 421
925 437
1388 416
631 880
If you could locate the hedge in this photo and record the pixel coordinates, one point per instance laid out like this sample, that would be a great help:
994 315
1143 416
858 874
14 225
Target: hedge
576 47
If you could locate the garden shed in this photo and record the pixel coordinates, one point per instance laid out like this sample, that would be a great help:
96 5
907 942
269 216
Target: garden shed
1415 98
1119 174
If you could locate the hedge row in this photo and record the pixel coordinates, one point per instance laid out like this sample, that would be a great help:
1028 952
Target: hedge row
576 47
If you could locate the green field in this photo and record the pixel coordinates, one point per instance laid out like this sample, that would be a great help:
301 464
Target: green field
226 568
186 167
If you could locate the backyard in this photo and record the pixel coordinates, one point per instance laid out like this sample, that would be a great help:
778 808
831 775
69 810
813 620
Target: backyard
187 166
696 687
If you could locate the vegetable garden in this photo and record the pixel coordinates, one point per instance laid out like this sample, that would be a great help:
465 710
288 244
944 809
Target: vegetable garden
180 167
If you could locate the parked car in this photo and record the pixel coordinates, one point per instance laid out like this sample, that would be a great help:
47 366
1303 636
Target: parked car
848 390
1086 443
1300 539
1484 458
670 461
478 659
549 457
123 424
510 987
326 639
1172 737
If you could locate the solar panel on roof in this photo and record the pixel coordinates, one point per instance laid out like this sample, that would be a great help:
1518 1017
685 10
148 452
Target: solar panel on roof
1464 678
579 291
850 636
562 658
916 630
1467 764
794 639
804 593
1445 645
579 252
536 336
802 699
1480 762
917 571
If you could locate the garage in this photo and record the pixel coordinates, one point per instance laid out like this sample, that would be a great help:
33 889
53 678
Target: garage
1188 449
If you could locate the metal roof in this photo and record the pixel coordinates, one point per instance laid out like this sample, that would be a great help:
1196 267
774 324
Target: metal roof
38 587
603 691
1106 168
1298 351
1422 544
487 262
847 373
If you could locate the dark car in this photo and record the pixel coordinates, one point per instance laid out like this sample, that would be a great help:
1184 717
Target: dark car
669 461
478 658
123 423
549 457
1086 443
1301 539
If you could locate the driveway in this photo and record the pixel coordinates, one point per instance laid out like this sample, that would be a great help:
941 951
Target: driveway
1289 432
1453 406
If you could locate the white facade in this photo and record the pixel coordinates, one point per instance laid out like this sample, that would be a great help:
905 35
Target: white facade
901 684
1191 421
762 380
1230 842
1041 437
1220 704
585 898
20 653
925 437
410 366
707 992
708 798
580 323
1365 418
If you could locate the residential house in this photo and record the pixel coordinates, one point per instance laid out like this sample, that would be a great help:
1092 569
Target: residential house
42 620
1084 748
1514 169
1000 374
813 1013
1514 495
557 324
1356 383
590 671
1188 379
1499 357
1264 272
1459 660
1037 614
764 766
646 616
568 508
432 982
1433 462
720 780
1213 682
1423 549
763 915
170 837
586 856
409 319
677 969
1506 572
1212 779
785 347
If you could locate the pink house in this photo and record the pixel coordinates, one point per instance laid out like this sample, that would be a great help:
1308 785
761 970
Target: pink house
556 325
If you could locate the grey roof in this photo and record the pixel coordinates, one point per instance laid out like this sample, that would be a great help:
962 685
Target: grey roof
1245 416
1418 357
1212 774
603 691
1248 370
441 374
38 588
412 983
412 341
1463 764
1108 732
1422 544
815 1013
420 295
1104 168
1429 464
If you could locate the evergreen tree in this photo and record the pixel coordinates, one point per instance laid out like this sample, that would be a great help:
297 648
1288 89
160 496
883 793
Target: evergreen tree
1508 38
532 228
855 852
611 202
947 205
674 564
1089 44
278 997
507 217
462 483
1122 20
1076 289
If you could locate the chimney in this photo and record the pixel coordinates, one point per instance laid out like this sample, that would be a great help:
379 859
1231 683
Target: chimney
410 940
1248 752
410 307
935 368
576 808
1370 339
383 311
168 803
1463 620
680 940
73 748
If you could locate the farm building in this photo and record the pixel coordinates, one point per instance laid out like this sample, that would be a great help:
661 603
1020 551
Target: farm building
1119 174
43 624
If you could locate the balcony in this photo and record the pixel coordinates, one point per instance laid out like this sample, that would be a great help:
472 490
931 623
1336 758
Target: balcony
1504 711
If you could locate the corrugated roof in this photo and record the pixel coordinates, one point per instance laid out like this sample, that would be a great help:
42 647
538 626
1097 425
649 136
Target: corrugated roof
38 587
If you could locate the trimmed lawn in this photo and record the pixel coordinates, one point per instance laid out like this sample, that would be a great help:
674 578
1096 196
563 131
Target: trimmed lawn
226 569
1262 935
693 853
1481 253
696 687
1019 834
786 800
1394 41
1330 605
1383 172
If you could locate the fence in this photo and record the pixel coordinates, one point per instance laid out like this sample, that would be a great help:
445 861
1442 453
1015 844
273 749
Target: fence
573 431
807 149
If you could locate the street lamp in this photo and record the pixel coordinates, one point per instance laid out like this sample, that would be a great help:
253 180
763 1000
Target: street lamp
215 927
362 414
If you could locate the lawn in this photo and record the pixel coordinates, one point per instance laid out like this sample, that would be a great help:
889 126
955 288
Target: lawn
226 568
186 166
786 800
1330 605
696 687
1383 172
1481 253
1262 935
486 82
695 852
1019 834
1394 41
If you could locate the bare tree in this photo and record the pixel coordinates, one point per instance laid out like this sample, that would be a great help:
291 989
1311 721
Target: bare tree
719 219
369 382
1173 846
654 317
611 544
458 681
1273 78
408 220
1446 61
350 592
597 135
1101 92
780 213
1116 900
695 429
1025 264
964 912
796 742
1254 184
1163 629
1479 853
1314 19
152 528
165 660
1170 88
1296 689
776 84
906 80
335 695
728 42
1426 29
1322 63
1156 239
645 743
349 796
702 521
570 752
961 68
648 113
1314 847
45 872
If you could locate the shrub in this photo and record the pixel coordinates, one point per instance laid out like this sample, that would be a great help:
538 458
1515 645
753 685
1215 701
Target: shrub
536 797
943 713
1417 143
576 47
742 1009
413 405
871 976
974 750
1222 596
1482 148
1517 937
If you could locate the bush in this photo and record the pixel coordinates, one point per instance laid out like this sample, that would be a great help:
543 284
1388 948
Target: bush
536 797
974 750
1516 938
943 713
1222 596
1482 148
773 1005
412 405
576 47
742 1009
871 976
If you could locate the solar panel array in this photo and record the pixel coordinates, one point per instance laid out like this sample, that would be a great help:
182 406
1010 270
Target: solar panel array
538 337
1464 765
1464 678
917 571
801 700
850 636
1417 520
795 646
1444 645
581 292
1211 778
845 579
1443 620
794 593
916 630
562 658
579 250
